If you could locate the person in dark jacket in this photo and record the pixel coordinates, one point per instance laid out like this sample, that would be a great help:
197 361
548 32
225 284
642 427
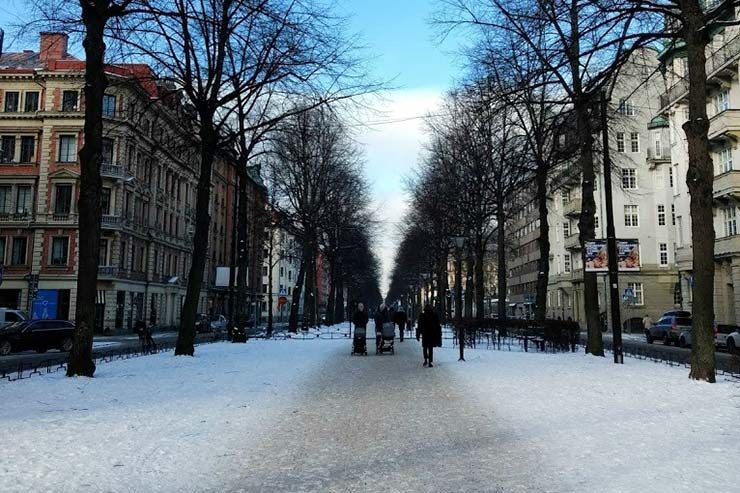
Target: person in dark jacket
381 316
429 330
360 317
400 319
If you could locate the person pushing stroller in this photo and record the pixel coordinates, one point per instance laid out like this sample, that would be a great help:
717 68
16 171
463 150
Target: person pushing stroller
360 319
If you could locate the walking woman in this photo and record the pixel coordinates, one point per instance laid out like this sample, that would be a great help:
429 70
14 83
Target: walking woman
429 331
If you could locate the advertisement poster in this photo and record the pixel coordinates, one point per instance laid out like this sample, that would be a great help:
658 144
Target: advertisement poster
628 255
45 304
596 256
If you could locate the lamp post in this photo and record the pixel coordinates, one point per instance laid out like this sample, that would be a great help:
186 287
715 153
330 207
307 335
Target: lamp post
459 244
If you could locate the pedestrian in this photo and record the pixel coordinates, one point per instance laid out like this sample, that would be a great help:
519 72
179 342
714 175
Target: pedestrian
381 316
150 344
360 317
140 329
429 331
647 323
401 320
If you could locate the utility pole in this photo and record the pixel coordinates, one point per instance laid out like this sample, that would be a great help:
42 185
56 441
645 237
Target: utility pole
611 241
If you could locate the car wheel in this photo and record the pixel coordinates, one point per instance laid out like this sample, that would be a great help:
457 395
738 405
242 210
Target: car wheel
66 345
731 348
5 348
681 342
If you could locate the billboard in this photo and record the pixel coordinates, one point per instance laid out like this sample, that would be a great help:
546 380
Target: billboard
597 257
222 276
45 304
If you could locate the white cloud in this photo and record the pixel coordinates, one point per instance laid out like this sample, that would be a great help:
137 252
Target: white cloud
393 141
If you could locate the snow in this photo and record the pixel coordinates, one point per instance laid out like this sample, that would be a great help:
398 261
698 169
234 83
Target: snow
307 416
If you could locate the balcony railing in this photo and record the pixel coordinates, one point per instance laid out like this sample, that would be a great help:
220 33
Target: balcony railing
110 170
572 242
572 207
660 154
107 271
16 217
61 218
110 222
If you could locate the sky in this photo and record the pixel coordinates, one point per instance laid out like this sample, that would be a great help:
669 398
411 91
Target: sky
405 50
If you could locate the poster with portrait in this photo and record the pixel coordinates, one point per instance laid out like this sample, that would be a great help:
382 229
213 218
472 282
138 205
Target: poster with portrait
596 256
628 255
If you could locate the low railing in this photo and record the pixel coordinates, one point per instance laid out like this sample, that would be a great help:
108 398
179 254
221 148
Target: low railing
16 217
107 271
662 154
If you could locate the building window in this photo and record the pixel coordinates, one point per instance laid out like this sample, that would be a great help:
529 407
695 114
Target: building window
596 221
725 161
670 179
629 179
721 101
626 108
631 216
2 250
730 222
565 195
635 142
290 275
28 148
637 293
23 199
567 262
673 214
282 272
11 101
107 151
658 143
264 270
620 141
7 148
67 149
63 199
663 254
661 215
103 252
566 229
18 254
5 194
69 100
59 250
264 288
109 105
32 102
105 194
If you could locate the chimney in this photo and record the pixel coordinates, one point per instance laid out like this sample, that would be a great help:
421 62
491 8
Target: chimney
53 46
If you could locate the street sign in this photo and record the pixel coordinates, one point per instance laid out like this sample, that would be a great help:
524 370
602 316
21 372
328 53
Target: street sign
283 292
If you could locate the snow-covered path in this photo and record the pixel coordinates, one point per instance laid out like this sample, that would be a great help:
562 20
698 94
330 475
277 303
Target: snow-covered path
384 423
278 416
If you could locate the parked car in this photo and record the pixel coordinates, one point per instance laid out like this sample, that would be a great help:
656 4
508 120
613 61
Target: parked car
218 323
659 330
39 335
679 333
9 316
728 336
677 313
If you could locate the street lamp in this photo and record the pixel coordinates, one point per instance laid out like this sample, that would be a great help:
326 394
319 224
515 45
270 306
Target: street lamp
459 245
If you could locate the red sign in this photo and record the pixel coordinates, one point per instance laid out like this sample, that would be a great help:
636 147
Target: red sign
282 300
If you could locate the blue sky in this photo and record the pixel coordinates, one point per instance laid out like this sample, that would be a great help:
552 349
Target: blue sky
403 48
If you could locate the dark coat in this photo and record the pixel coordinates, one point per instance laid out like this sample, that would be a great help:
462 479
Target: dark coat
381 317
429 330
400 319
360 319
140 328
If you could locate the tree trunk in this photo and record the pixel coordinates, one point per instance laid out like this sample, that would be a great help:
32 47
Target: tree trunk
443 286
700 183
543 263
458 285
297 292
242 253
309 292
331 299
339 316
88 206
271 268
480 279
502 271
208 146
469 262
586 225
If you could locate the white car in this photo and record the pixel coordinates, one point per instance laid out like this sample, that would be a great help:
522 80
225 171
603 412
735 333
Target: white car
727 336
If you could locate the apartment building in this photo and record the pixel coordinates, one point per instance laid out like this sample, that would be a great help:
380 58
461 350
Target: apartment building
281 256
723 109
149 172
644 210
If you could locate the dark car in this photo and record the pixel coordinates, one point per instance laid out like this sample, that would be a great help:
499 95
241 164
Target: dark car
39 335
666 327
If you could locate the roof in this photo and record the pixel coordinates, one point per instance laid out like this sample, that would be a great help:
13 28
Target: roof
24 59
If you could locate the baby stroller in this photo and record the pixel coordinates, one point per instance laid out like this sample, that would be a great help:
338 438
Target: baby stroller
387 334
359 345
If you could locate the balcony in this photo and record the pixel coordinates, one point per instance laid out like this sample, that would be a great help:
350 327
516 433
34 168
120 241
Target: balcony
16 217
110 222
727 186
107 271
571 242
729 245
676 93
132 275
63 218
572 208
115 171
724 125
659 155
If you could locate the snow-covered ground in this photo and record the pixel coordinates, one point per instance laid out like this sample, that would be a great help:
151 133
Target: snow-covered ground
291 412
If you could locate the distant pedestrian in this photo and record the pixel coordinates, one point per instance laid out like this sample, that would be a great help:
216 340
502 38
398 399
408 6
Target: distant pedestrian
382 316
647 322
140 329
360 317
151 346
429 331
401 320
